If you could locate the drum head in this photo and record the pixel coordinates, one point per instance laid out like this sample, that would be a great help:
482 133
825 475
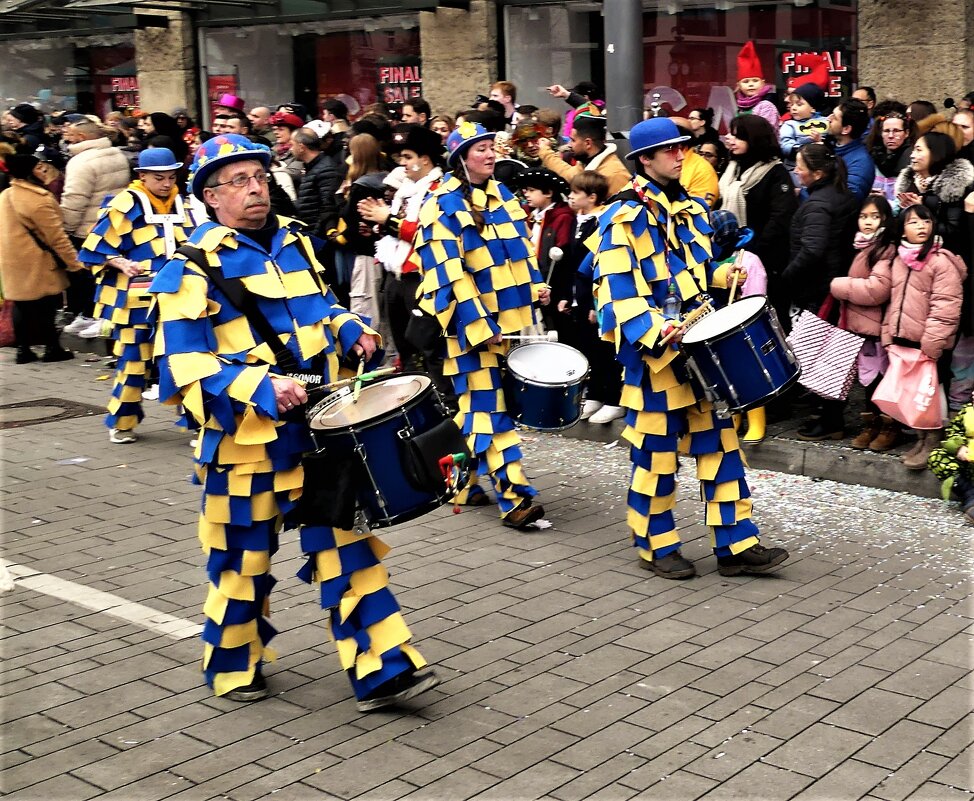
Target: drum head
713 325
553 363
340 411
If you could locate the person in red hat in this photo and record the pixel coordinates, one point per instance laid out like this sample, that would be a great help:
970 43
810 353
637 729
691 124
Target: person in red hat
752 93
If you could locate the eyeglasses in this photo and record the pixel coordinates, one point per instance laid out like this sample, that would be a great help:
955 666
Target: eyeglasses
676 147
240 181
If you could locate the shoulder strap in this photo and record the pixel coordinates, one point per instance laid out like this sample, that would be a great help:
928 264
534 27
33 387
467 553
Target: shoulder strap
244 302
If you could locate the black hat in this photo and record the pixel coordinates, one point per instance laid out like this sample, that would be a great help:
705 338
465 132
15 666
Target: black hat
811 93
26 113
543 179
295 108
51 155
20 165
399 133
423 142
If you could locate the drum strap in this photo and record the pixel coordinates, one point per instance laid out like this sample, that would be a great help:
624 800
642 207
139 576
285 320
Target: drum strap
246 303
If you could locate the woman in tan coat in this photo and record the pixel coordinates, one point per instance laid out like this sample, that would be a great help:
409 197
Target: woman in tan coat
35 255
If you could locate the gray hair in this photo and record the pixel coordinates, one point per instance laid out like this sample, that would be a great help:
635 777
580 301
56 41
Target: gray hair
307 137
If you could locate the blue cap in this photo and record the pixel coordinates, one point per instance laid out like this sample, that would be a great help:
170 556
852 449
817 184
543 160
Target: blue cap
218 152
157 159
653 133
463 138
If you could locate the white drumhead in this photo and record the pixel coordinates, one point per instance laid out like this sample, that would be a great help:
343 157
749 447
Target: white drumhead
547 363
340 410
725 319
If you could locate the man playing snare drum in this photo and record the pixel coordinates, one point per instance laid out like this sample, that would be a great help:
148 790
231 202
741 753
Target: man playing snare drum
214 362
651 262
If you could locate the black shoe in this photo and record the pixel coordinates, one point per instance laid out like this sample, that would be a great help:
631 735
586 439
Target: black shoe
671 566
820 430
26 356
756 559
395 691
254 691
524 515
59 355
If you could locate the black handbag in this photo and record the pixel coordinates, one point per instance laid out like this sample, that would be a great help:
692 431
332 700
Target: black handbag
421 454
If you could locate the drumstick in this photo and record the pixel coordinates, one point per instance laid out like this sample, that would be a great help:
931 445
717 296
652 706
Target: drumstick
357 390
737 274
344 382
692 317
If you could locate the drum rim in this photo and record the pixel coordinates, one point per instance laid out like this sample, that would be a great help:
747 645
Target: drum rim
769 397
380 419
766 305
547 384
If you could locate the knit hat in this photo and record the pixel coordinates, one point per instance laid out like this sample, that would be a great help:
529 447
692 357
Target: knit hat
811 93
157 159
651 134
218 152
463 138
25 113
727 236
231 101
748 63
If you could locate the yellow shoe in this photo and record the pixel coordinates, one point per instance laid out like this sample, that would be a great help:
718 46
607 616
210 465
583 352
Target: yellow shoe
756 425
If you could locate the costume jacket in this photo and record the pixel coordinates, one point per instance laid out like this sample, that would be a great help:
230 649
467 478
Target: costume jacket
394 248
138 226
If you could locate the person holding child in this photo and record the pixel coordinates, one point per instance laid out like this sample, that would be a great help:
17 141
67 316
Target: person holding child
922 283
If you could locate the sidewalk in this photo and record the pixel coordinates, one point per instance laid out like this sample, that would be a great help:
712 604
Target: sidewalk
568 672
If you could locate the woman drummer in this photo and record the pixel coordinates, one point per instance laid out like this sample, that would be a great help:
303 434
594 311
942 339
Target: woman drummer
481 282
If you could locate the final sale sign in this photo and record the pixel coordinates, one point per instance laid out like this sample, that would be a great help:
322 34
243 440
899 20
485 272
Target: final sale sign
399 81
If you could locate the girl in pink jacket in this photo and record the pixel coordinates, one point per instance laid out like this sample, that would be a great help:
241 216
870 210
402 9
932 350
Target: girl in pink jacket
924 287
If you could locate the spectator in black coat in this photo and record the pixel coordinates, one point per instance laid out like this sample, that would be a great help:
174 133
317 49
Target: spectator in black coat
324 170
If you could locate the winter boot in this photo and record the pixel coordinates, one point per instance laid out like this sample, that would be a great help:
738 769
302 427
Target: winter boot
887 437
870 430
756 426
917 460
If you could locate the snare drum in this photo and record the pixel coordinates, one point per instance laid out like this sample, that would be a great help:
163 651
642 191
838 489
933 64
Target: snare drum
739 356
371 430
543 385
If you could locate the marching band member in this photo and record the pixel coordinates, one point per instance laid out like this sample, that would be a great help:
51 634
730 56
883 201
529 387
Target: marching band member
481 280
651 262
232 382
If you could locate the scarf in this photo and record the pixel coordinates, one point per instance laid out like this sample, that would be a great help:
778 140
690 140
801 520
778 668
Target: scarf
750 102
733 190
160 205
863 241
910 255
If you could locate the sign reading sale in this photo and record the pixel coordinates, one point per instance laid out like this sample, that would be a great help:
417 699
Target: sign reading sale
827 67
399 82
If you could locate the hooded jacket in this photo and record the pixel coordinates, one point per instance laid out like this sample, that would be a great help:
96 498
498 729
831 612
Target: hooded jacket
864 319
924 305
945 198
95 170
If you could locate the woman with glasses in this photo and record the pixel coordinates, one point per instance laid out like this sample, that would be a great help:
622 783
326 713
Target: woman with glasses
715 153
889 144
701 122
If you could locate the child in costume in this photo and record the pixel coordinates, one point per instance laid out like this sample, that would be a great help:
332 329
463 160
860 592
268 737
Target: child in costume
729 241
953 461
752 93
807 123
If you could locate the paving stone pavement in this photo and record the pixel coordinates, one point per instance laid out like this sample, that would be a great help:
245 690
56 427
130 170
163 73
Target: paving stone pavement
568 672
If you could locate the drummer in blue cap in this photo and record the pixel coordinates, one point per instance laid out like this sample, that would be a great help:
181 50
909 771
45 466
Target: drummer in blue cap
136 233
481 282
245 394
652 265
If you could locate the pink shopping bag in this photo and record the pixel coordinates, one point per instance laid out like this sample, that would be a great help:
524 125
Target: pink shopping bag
910 390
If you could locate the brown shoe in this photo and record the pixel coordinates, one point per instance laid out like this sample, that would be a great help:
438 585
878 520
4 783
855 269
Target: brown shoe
917 460
870 430
524 515
888 436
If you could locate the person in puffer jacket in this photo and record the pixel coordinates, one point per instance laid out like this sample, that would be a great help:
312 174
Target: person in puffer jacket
923 284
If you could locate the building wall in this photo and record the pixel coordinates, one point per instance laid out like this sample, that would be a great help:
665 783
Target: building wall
913 50
166 65
459 51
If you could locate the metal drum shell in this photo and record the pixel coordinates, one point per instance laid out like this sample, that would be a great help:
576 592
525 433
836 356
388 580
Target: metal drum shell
540 403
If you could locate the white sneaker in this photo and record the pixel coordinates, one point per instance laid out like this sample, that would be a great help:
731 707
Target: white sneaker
78 324
152 393
589 408
117 437
95 330
607 414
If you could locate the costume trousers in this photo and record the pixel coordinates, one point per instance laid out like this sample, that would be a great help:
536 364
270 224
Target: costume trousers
489 429
368 629
133 368
605 376
698 432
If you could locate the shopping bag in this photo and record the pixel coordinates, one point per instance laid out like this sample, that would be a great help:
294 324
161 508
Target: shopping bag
910 390
827 355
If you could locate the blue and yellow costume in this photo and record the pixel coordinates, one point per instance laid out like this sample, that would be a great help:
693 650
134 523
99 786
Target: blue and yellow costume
646 246
479 284
249 460
135 225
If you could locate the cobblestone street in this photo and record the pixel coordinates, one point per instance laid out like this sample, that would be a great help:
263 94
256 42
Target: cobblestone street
567 671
